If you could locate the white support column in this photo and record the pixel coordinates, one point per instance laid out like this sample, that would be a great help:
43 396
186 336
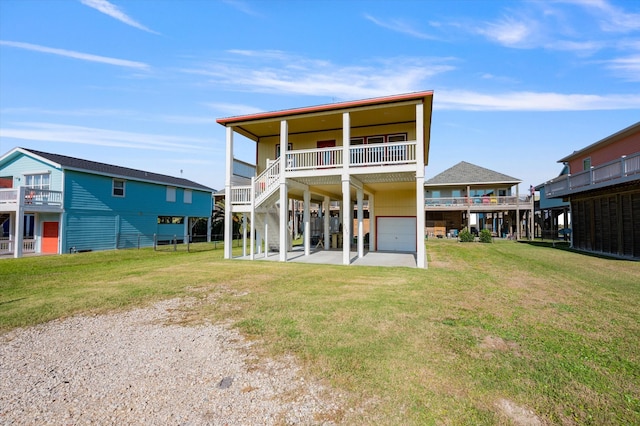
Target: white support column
517 212
266 239
531 216
346 222
19 227
372 223
360 200
228 217
346 210
209 229
469 201
421 255
284 206
327 224
244 235
307 222
252 219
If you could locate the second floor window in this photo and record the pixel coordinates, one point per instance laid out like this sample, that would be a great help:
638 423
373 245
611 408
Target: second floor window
118 188
586 163
171 194
40 181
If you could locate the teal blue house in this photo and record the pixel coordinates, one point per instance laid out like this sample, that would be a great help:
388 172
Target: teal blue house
51 203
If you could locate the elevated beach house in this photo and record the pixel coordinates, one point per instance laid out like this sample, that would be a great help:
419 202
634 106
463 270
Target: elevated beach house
371 151
51 203
468 196
602 187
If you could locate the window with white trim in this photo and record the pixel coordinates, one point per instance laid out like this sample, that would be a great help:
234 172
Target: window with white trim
117 189
171 194
187 196
39 181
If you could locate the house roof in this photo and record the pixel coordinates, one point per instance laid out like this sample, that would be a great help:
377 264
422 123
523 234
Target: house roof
78 164
465 173
634 128
325 107
385 110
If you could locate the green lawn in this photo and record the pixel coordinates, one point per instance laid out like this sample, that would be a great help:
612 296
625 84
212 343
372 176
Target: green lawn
549 330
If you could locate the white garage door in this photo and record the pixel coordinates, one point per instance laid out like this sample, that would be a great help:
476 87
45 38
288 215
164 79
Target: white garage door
396 233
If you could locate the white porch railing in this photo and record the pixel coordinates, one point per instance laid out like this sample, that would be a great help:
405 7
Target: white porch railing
383 154
30 197
264 184
305 159
241 194
7 244
267 180
479 202
325 158
359 156
612 172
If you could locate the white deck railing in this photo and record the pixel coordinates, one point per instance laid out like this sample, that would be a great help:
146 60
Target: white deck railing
383 154
267 180
479 202
305 159
325 158
7 244
241 194
31 197
617 170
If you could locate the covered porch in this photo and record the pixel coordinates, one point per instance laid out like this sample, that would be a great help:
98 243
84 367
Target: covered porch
30 219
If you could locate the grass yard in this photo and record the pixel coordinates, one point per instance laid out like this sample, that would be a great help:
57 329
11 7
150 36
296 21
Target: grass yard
489 334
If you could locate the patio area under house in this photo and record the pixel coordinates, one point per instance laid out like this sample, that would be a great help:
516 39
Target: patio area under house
356 169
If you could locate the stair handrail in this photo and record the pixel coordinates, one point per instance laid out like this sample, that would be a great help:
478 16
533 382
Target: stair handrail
267 181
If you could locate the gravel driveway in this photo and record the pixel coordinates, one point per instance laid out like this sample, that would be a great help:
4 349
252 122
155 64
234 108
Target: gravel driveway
132 368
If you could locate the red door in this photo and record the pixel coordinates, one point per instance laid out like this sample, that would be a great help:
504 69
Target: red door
326 157
50 237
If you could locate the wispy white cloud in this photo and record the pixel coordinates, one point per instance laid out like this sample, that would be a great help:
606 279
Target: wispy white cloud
242 6
110 9
76 55
532 101
510 31
400 26
53 132
128 114
627 68
610 17
296 75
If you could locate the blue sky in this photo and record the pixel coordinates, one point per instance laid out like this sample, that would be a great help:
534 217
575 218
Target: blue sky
517 84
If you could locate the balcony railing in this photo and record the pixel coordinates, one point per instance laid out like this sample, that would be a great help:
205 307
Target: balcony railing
387 154
488 202
30 197
626 168
7 244
359 156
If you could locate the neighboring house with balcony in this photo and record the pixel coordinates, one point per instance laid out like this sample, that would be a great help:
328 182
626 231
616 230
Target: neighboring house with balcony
603 189
371 150
52 203
466 195
552 214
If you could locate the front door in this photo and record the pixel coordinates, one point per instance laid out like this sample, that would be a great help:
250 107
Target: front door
50 237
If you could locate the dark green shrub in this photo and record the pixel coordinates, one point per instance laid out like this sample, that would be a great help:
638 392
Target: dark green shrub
485 236
466 236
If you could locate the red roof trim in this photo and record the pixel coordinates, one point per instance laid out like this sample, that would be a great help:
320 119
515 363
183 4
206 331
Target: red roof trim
325 107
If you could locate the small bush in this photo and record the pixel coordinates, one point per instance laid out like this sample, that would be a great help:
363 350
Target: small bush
466 236
485 236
